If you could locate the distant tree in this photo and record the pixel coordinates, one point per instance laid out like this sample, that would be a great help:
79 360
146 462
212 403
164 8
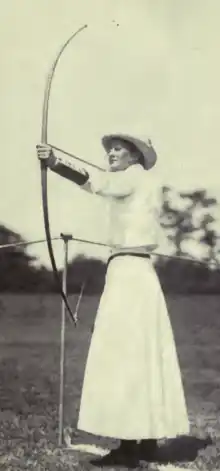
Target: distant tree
206 224
176 219
17 270
86 270
187 218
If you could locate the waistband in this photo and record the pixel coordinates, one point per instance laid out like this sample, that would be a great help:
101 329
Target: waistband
123 254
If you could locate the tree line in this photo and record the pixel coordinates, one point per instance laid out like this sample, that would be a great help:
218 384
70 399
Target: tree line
188 220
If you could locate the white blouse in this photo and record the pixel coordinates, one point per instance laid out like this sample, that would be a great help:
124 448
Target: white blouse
134 201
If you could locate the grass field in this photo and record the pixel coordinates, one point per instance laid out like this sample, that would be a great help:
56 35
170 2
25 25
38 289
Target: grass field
29 380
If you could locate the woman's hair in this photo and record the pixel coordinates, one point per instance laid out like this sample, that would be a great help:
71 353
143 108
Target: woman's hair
133 150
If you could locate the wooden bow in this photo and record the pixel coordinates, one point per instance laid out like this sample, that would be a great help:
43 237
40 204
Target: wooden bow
44 130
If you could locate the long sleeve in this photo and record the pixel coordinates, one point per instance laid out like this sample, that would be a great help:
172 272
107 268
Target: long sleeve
113 184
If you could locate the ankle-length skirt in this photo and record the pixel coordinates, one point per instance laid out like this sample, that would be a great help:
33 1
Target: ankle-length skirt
132 386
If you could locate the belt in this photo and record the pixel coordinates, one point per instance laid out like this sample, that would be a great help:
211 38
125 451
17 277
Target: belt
123 254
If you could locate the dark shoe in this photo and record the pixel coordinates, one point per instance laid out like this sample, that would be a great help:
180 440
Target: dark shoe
125 455
148 450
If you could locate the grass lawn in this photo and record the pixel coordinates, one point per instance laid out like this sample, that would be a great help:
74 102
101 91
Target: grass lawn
29 381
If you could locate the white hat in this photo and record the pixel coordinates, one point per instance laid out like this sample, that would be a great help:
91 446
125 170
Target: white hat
143 146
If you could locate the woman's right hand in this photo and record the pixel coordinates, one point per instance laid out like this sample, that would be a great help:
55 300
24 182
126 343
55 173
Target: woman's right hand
44 152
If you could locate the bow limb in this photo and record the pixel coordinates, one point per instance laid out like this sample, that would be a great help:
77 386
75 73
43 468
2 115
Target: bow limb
44 132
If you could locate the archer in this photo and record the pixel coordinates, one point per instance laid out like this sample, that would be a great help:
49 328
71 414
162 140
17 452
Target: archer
132 387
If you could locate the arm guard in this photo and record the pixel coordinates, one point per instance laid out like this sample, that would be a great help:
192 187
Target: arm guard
68 170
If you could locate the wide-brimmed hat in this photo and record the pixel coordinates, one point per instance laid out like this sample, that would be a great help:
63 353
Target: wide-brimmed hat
144 146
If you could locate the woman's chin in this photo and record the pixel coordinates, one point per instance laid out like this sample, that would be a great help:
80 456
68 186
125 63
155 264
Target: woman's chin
114 168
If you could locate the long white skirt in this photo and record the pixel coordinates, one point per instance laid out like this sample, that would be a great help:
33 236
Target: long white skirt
132 385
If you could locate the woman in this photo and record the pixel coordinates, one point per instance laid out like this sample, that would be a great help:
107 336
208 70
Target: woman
132 386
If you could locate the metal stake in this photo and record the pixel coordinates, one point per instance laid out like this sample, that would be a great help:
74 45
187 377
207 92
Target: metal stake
66 238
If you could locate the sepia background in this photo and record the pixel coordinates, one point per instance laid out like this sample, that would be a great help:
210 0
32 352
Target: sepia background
156 73
141 66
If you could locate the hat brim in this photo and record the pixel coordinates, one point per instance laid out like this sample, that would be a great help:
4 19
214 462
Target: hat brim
144 147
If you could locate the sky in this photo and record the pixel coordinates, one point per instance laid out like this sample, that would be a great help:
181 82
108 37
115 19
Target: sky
156 74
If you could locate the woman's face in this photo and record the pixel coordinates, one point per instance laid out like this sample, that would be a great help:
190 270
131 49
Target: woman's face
119 156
